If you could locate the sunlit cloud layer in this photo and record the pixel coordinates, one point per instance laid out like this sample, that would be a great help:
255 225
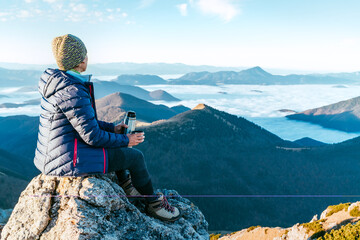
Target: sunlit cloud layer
93 10
259 104
256 100
225 9
182 9
74 11
146 3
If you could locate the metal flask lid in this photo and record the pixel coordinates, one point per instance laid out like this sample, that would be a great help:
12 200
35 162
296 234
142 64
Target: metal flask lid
131 114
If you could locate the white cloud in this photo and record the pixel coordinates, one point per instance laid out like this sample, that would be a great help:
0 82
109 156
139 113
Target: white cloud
182 8
71 11
98 14
24 14
37 11
73 18
225 9
243 100
146 3
58 7
78 8
4 14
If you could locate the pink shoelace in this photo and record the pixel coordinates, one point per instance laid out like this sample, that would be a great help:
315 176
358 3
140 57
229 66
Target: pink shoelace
166 205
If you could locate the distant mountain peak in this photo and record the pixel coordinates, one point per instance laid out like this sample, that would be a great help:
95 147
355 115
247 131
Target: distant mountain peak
200 106
256 70
309 142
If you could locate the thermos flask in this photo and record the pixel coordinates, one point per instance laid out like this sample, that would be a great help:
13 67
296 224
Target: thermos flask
129 120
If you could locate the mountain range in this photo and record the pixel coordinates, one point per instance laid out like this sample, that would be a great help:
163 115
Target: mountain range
309 142
15 173
118 68
113 107
344 115
104 88
238 173
352 75
231 168
139 79
18 135
143 74
106 69
18 78
16 105
255 75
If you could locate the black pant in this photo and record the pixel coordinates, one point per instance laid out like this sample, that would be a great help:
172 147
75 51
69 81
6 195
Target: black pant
122 159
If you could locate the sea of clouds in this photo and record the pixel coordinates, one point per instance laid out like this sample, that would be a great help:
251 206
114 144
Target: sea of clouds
261 104
257 103
258 100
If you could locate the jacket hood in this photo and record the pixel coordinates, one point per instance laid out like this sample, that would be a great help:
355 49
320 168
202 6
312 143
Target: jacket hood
55 80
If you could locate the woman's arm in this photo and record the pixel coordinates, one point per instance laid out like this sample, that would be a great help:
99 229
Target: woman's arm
75 103
109 127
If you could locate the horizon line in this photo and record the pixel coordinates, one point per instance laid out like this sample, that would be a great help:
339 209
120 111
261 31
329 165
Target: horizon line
288 70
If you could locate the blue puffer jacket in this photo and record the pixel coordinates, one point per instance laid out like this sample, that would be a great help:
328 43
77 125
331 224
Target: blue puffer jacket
71 141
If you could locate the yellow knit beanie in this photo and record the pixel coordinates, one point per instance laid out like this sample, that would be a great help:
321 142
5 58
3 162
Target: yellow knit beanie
69 51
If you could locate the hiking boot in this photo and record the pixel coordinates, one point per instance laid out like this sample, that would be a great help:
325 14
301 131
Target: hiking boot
130 190
161 209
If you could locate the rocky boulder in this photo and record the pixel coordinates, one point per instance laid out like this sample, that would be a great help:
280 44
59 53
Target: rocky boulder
336 222
94 207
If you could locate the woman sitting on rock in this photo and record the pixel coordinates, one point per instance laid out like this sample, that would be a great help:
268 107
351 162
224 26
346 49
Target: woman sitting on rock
72 142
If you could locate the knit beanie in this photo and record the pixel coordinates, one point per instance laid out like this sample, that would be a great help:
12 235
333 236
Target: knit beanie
69 51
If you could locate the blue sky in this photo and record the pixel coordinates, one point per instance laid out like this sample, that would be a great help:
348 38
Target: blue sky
310 35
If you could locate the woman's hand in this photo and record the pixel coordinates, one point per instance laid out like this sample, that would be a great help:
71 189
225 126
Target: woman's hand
135 139
117 128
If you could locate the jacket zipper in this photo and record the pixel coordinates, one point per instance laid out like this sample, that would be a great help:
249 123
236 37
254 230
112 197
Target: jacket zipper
92 104
104 160
75 152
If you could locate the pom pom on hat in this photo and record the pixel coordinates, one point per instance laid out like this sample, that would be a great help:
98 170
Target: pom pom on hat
69 51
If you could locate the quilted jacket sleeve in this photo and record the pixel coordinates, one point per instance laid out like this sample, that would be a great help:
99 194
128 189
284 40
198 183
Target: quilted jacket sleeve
74 102
109 127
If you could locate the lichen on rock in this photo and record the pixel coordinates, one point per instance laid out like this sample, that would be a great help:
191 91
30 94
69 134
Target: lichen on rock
94 207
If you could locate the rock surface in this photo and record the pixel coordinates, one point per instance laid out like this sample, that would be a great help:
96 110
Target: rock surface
331 222
94 207
255 234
